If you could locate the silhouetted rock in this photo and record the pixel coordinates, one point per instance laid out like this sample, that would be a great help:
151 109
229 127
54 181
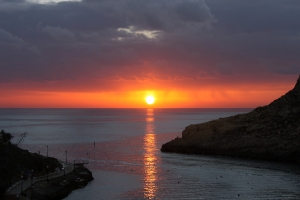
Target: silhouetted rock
270 132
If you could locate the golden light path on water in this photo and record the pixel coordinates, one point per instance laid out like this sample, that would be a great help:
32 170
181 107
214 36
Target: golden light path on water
150 159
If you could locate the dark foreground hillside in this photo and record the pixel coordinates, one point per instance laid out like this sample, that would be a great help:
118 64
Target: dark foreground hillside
270 132
17 164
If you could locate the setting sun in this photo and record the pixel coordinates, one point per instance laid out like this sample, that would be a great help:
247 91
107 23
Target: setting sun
150 100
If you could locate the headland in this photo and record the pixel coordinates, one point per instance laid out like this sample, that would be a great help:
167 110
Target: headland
270 132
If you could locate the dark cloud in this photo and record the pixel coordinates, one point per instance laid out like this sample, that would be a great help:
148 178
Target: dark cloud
291 69
8 38
156 40
256 16
190 11
58 33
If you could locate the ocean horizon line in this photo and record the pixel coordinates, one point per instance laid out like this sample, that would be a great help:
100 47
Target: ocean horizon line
131 108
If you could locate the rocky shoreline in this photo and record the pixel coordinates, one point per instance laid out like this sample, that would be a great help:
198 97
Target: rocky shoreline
18 165
270 132
60 187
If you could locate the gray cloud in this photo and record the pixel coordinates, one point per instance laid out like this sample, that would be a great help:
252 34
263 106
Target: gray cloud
58 33
131 39
8 38
291 69
193 11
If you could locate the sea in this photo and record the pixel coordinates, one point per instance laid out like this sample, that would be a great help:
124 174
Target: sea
122 149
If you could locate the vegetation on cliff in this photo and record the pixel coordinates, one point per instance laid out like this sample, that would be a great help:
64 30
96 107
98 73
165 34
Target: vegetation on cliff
17 164
270 132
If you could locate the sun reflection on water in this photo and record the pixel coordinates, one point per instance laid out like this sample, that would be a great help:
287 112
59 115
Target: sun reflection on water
150 159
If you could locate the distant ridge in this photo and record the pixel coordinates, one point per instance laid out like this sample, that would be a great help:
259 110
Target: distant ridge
270 132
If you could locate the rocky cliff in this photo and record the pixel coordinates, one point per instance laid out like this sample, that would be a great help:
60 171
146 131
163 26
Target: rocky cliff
270 132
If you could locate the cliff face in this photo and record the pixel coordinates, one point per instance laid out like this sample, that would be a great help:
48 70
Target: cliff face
270 132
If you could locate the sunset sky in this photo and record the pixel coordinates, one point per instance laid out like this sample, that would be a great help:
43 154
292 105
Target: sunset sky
114 53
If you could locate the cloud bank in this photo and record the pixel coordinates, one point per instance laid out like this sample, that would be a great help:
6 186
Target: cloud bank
182 43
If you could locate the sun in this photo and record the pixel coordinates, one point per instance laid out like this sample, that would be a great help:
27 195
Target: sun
150 99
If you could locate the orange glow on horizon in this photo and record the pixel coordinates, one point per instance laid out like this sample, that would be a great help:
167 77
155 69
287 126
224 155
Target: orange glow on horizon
132 95
136 99
220 92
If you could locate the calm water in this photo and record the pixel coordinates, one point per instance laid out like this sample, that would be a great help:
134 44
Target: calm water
126 161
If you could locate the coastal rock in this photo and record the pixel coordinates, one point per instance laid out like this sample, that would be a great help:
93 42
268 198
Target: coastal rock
60 187
270 132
